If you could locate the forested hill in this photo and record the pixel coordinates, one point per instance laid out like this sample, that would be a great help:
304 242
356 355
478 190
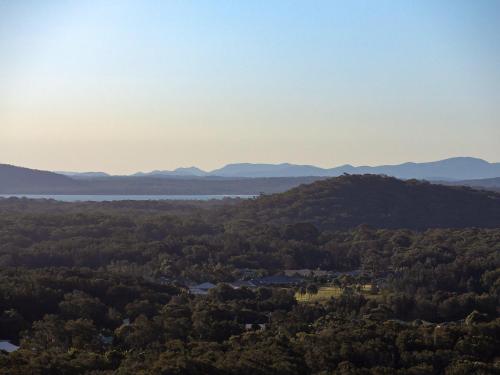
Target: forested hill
383 202
19 180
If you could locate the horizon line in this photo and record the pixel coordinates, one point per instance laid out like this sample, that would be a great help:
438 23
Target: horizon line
208 171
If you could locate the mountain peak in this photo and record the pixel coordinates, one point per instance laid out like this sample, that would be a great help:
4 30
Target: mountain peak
464 159
192 171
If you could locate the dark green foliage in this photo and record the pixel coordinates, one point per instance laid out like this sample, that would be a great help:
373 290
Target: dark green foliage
100 288
382 202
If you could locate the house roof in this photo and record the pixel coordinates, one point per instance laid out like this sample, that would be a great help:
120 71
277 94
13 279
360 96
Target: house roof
204 286
241 283
278 279
307 272
347 273
8 347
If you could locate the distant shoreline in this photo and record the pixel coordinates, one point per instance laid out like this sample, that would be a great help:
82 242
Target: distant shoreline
122 197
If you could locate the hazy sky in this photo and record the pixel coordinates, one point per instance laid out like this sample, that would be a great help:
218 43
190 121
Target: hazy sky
122 86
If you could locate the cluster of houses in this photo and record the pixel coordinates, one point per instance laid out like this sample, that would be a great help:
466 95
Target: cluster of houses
249 278
288 278
278 280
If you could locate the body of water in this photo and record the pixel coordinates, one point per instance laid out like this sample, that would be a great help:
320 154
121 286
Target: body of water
108 198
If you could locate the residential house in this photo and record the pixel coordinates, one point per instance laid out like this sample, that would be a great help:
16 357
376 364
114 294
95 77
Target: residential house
306 272
241 284
7 346
277 280
201 289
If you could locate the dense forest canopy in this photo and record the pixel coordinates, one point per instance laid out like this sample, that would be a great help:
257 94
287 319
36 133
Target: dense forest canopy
383 202
105 288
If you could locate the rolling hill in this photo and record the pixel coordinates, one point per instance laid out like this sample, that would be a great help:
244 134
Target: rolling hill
17 180
383 202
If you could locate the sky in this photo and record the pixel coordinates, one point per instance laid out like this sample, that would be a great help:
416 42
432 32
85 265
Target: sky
123 86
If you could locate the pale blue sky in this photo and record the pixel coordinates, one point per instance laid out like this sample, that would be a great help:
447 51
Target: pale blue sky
128 85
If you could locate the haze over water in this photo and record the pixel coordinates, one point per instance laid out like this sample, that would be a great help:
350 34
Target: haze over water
115 197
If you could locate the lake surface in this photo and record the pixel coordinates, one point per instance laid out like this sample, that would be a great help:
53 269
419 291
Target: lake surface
108 198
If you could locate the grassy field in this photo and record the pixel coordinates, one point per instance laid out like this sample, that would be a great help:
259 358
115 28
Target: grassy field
324 293
327 292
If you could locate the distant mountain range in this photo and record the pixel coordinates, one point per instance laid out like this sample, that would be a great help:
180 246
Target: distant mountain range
84 174
238 178
483 183
460 168
191 171
16 180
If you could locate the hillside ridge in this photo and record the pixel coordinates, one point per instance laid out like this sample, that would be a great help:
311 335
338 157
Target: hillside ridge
379 201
